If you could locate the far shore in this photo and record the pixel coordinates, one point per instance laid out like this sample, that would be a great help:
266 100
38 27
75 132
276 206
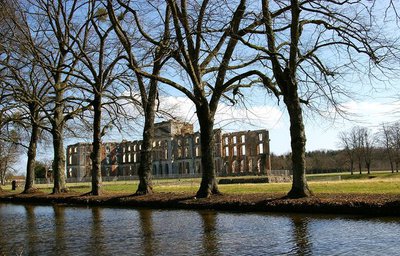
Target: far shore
355 204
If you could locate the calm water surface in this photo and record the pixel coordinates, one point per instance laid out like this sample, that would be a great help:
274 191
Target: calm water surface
65 230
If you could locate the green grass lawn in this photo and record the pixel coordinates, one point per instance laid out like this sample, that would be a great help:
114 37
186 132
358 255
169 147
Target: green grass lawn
376 183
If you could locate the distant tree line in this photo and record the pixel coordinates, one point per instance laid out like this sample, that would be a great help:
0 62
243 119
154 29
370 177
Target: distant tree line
361 150
70 68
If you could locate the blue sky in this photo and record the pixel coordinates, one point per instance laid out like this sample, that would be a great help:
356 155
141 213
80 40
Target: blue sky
369 110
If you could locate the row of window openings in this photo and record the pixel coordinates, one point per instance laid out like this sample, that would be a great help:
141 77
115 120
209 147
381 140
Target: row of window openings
186 153
242 139
243 150
180 154
134 148
197 140
126 157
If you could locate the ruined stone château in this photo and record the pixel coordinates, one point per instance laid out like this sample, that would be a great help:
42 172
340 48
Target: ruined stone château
176 151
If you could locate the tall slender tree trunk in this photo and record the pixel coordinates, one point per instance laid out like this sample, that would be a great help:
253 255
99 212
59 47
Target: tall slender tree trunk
30 165
298 142
60 185
96 150
208 185
351 167
57 132
146 157
146 153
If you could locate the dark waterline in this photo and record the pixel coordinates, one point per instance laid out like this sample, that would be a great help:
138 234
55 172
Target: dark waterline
65 230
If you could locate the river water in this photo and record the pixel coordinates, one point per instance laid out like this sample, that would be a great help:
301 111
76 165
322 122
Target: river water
66 230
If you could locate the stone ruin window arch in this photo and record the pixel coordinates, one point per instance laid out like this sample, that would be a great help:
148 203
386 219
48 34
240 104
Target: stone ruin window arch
251 165
243 150
234 166
261 148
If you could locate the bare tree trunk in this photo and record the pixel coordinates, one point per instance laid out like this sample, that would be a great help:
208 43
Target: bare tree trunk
96 151
59 161
3 170
298 142
208 184
57 132
351 167
146 159
30 166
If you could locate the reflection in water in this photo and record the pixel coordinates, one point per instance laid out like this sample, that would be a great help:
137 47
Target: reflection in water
97 242
147 233
301 235
59 222
2 235
49 230
210 236
32 230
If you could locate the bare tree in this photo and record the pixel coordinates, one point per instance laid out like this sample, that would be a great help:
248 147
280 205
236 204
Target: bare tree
28 91
394 137
98 55
9 154
369 141
50 23
357 141
23 81
157 57
346 143
302 37
359 145
386 141
204 50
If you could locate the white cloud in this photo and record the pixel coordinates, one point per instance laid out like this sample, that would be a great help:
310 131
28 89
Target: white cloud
373 113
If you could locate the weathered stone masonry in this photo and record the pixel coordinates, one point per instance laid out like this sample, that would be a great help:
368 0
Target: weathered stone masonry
176 151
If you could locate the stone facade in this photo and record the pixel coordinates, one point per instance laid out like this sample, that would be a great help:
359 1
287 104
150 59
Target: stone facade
176 151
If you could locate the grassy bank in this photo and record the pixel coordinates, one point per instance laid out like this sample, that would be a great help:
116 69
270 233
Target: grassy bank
379 196
376 183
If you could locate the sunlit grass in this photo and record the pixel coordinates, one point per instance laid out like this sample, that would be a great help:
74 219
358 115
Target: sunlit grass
376 183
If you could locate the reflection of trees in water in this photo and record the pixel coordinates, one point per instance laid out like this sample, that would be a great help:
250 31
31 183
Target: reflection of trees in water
59 221
210 237
97 241
301 235
3 239
31 229
147 232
